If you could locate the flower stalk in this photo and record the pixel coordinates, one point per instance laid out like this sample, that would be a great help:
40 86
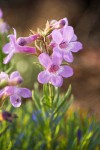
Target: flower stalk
51 93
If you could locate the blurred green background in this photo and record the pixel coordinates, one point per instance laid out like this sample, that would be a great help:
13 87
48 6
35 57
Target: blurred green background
84 16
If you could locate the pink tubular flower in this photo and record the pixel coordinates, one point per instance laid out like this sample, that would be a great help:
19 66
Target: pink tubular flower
18 46
11 90
59 24
27 40
14 78
64 42
15 94
3 27
53 71
1 13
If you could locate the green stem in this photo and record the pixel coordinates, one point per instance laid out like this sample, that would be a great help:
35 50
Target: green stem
51 94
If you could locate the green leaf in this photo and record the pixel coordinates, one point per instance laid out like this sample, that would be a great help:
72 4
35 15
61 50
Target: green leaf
9 146
35 99
67 95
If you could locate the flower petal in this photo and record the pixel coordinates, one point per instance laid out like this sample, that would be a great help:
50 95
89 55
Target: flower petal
1 13
24 92
6 48
57 49
66 21
15 33
70 47
3 75
15 100
10 90
44 60
25 49
74 38
15 78
27 40
67 71
12 39
14 75
3 27
1 93
63 22
57 37
68 33
57 80
57 58
13 36
68 57
76 46
43 77
7 59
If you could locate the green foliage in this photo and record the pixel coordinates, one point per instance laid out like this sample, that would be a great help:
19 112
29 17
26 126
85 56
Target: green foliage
40 126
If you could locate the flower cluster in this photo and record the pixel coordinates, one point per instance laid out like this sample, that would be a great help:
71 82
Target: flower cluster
53 47
8 88
3 26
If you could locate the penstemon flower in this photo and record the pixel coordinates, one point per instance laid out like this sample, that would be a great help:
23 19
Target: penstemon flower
59 24
65 42
18 46
10 89
15 94
3 26
14 79
27 40
53 72
1 13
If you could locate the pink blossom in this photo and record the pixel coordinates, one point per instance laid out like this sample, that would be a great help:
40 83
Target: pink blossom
53 72
64 41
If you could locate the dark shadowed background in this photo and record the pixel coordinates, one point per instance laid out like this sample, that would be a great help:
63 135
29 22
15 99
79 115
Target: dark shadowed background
84 16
